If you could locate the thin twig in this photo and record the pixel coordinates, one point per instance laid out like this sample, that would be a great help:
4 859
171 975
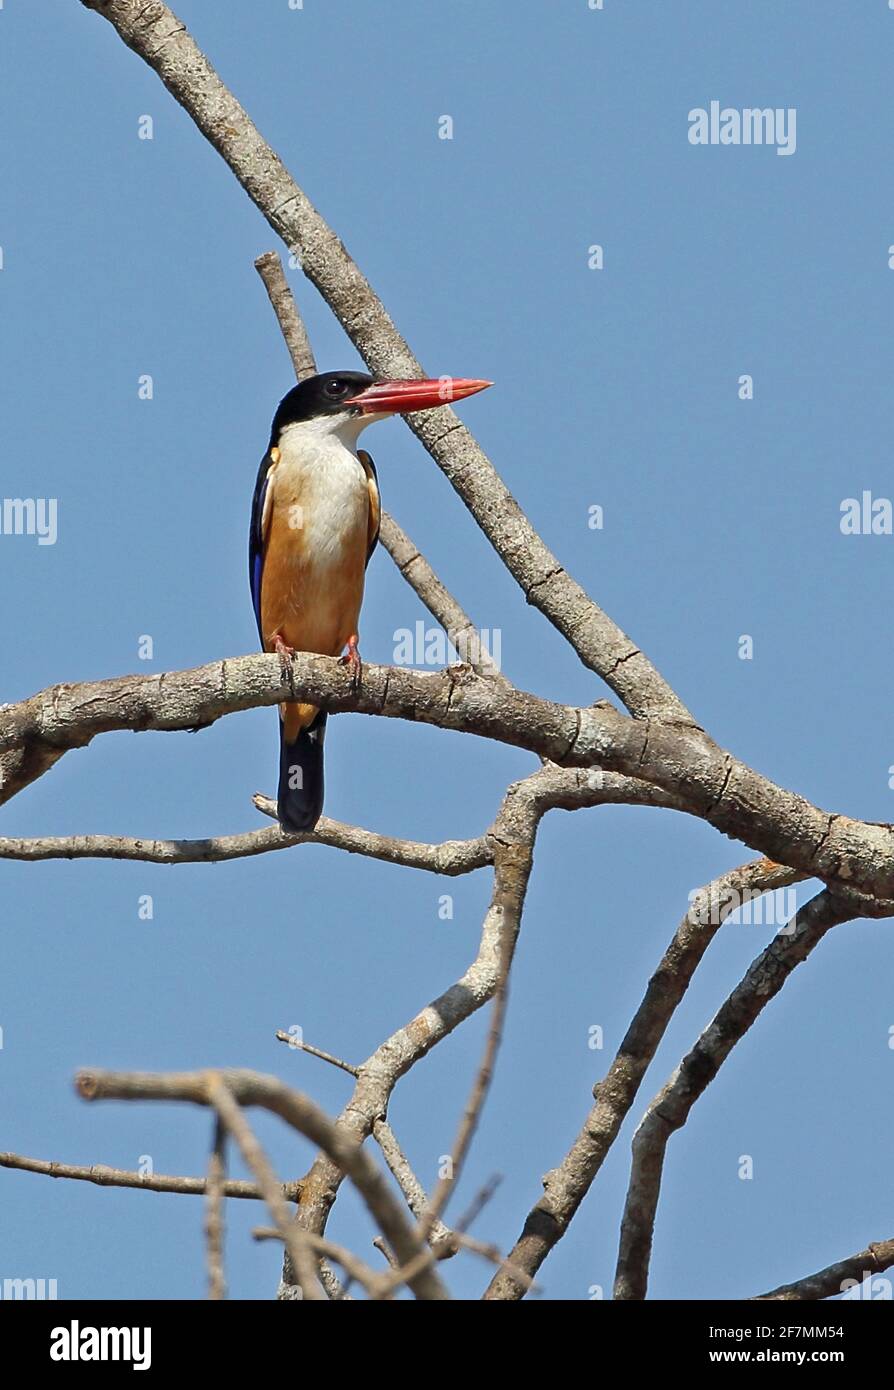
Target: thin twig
451 858
492 1253
269 267
299 1046
477 1096
439 1235
838 1278
214 1213
465 637
231 1115
384 1248
478 1203
352 1264
104 1176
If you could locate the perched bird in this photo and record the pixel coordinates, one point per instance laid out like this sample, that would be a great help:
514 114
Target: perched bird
314 525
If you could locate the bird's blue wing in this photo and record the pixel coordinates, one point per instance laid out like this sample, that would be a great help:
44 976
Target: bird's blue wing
375 502
256 538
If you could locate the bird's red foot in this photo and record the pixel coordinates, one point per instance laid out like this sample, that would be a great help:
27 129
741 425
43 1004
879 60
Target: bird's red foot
281 647
351 659
284 652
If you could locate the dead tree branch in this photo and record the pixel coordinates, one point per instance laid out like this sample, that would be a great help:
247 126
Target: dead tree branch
682 762
670 1109
104 1176
451 858
231 1118
835 1279
248 1088
214 1214
269 267
565 1187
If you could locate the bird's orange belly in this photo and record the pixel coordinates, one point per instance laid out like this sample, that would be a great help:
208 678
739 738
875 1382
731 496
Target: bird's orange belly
314 608
314 570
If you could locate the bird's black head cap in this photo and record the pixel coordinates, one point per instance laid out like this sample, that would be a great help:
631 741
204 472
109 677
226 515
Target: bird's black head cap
329 393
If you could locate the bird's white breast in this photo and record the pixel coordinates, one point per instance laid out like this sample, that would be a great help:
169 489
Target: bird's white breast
321 479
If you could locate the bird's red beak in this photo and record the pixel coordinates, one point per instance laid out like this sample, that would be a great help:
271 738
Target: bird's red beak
399 397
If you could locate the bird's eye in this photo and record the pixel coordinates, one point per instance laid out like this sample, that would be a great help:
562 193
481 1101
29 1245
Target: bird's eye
336 388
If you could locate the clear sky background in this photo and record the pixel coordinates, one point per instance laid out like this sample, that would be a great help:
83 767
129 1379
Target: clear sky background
616 387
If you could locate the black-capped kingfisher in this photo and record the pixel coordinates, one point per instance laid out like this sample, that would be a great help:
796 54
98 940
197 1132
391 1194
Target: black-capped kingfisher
314 526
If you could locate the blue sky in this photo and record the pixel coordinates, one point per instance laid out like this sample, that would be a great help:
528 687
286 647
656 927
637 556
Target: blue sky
617 388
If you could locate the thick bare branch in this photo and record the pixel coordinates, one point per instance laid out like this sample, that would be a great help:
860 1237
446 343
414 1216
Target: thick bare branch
671 1107
682 762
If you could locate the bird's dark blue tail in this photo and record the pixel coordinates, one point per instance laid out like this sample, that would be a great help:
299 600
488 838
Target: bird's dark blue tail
299 799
